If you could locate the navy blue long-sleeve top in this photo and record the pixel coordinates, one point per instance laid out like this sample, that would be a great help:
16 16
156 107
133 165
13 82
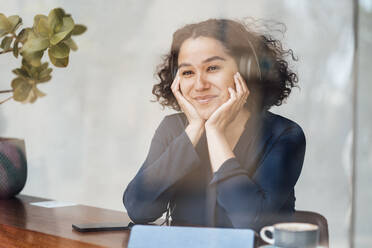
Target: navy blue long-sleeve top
254 189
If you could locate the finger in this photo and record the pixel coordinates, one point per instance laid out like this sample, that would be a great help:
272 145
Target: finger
240 95
227 106
230 101
177 85
180 98
238 86
245 89
234 103
243 93
244 85
182 101
224 107
233 96
176 91
174 85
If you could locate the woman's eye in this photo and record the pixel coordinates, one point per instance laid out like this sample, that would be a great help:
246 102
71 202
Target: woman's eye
213 68
187 73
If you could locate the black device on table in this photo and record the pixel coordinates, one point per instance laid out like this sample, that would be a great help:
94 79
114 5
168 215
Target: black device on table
98 227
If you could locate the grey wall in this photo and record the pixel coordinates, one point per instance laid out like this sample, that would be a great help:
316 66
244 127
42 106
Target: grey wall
87 138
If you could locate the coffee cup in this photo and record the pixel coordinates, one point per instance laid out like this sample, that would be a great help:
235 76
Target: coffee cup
292 235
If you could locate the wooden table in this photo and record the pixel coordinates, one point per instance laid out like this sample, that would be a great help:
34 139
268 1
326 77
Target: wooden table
25 225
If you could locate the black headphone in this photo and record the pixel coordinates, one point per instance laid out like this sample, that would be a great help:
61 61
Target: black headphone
173 67
246 67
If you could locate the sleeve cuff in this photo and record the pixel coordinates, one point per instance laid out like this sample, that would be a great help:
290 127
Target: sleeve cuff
229 168
189 148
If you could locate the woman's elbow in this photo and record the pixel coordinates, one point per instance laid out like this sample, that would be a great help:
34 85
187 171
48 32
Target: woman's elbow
137 211
139 217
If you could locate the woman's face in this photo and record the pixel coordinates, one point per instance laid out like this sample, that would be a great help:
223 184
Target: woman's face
206 72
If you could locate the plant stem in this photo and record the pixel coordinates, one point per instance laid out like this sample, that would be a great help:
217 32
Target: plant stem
6 91
6 99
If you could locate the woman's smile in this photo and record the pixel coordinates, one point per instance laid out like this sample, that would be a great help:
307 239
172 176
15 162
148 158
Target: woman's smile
204 99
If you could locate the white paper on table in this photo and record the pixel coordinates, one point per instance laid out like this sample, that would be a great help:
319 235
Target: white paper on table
53 204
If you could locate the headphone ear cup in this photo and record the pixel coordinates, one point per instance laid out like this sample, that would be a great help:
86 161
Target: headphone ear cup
174 72
246 68
249 68
243 66
173 68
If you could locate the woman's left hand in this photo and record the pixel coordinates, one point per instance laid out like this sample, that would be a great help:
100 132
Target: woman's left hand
227 112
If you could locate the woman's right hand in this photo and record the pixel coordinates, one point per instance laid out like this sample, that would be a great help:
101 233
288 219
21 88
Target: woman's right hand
196 124
192 115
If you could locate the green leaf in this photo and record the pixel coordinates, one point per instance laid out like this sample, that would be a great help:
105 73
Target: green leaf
32 96
67 27
45 73
6 43
41 25
16 82
58 62
71 44
15 49
44 79
59 51
79 29
38 92
23 35
21 89
15 22
33 58
21 72
42 67
35 43
37 19
35 71
55 19
5 25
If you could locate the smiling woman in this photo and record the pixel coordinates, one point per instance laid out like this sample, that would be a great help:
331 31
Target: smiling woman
224 160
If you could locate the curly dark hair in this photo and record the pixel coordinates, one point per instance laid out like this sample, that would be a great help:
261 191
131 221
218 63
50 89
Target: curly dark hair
260 59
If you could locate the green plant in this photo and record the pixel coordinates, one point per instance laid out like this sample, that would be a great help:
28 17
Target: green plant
52 33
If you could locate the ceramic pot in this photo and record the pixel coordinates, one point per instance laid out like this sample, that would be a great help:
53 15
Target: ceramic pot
13 167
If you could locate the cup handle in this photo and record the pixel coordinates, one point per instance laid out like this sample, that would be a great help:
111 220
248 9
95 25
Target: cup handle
263 234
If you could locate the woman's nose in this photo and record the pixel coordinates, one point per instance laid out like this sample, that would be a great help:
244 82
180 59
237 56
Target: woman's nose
201 83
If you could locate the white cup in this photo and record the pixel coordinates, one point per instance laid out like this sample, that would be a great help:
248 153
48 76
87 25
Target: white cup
292 235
